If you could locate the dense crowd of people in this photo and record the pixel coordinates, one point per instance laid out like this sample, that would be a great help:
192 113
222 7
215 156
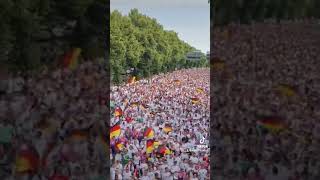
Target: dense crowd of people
257 59
178 101
51 123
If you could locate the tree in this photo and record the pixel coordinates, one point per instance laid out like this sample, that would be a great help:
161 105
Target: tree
29 26
140 42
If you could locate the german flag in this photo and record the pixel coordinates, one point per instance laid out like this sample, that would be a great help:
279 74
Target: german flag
286 90
177 81
78 134
195 100
164 150
167 128
115 130
119 146
156 144
118 112
199 90
218 64
149 133
150 146
226 34
70 59
134 104
132 79
273 124
27 161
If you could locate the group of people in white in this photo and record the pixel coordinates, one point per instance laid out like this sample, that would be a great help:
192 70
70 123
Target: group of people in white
179 100
38 114
257 58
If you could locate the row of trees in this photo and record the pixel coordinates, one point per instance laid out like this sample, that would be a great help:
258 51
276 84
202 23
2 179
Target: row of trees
140 42
35 32
246 11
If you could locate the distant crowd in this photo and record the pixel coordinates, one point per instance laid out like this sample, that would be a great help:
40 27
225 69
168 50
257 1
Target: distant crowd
256 60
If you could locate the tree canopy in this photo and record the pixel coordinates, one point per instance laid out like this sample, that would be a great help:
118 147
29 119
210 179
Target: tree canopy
36 32
140 42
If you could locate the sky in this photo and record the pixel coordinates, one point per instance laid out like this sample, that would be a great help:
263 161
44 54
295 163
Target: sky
189 18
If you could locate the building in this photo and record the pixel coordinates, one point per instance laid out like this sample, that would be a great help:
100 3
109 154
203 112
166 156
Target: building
208 55
194 55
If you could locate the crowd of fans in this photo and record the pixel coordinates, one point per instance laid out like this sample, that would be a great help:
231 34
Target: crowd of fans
58 117
257 58
51 124
179 100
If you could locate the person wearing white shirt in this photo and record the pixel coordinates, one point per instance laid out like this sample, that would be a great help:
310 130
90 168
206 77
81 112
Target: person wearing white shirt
144 166
112 172
136 159
118 166
175 168
151 175
169 161
127 174
118 157
202 174
162 167
165 174
194 159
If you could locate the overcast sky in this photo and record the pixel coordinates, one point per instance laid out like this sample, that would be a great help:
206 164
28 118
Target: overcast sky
189 18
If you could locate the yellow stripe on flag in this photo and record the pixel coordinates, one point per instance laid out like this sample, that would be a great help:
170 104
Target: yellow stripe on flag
199 90
286 90
23 165
74 59
167 129
115 131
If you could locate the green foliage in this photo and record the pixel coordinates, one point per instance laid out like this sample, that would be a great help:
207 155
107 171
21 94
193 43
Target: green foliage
27 28
72 8
140 42
246 11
